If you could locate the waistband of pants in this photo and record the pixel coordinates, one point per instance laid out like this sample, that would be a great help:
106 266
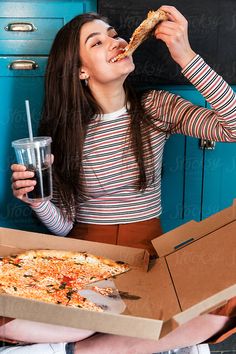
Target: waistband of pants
136 234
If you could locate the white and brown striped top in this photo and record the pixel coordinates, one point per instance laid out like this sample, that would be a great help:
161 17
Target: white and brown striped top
110 170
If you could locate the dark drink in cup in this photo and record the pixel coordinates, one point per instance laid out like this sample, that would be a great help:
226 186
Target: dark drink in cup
36 156
43 187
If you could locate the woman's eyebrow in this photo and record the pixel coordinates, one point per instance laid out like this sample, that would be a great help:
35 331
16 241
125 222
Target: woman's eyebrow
96 33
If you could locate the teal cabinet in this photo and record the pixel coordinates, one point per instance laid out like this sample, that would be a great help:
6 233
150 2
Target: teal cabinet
15 87
219 178
196 182
182 172
23 59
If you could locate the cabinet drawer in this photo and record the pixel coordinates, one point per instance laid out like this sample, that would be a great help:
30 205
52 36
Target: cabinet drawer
32 35
22 66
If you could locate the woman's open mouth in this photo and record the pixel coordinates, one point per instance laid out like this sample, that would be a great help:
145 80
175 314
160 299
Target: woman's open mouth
114 59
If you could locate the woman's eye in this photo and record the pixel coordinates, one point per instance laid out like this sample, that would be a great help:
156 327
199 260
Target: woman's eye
97 43
116 36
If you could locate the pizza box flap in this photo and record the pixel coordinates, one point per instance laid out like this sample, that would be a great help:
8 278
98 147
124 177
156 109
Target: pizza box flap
185 234
201 259
133 326
203 307
211 303
205 268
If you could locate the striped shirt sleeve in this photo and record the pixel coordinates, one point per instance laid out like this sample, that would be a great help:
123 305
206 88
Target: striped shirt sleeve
182 117
52 217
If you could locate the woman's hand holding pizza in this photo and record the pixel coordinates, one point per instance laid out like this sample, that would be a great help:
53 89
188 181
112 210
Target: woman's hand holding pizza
175 35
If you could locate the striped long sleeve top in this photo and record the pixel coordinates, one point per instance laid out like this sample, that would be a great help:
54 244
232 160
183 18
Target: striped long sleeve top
110 170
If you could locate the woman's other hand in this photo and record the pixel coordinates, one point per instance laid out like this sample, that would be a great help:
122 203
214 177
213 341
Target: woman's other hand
174 32
22 183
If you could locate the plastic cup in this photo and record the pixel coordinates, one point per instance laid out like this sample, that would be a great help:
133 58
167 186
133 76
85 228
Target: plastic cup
36 156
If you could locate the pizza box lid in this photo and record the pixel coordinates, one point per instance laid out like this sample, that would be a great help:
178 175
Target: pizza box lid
195 273
201 260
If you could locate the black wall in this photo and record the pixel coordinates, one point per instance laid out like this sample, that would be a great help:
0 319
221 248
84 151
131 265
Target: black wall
212 34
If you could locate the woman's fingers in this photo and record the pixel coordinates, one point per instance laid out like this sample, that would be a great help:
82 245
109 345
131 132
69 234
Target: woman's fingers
22 181
21 187
169 29
21 193
17 167
175 35
173 13
21 175
175 28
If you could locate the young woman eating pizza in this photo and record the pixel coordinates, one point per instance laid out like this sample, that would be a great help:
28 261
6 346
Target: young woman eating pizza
108 142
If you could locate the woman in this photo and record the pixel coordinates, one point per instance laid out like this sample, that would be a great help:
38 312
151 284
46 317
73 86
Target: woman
108 140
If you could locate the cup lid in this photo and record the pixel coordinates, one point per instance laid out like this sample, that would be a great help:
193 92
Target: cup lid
38 141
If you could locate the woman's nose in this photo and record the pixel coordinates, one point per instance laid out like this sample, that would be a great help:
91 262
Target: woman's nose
113 43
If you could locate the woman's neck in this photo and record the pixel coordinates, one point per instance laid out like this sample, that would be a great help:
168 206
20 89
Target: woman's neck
110 98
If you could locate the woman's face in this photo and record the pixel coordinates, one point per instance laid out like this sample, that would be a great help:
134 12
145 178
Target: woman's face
99 43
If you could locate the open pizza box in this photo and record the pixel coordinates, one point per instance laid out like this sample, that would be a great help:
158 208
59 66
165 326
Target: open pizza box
194 274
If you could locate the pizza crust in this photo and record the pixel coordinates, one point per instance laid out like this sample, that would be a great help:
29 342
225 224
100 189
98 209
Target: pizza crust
142 32
80 256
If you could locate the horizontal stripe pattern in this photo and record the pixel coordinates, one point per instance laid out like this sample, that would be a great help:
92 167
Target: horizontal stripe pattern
110 171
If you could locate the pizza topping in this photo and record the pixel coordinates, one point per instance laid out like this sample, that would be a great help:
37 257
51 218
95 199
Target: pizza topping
103 291
57 276
63 285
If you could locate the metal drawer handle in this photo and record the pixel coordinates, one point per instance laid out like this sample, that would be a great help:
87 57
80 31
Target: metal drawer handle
23 65
20 27
205 144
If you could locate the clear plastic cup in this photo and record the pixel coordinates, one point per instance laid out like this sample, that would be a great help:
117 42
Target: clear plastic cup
36 156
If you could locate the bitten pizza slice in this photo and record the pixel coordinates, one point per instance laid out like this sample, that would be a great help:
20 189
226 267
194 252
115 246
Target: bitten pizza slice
142 32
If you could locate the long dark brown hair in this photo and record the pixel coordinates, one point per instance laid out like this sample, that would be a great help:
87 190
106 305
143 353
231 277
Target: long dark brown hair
69 107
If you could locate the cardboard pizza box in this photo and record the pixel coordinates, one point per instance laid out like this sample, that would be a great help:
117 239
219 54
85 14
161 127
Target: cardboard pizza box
201 259
195 273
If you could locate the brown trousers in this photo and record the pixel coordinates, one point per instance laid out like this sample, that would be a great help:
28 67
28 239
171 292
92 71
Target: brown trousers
136 234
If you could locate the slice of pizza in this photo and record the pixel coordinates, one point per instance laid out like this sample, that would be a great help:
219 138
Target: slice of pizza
142 32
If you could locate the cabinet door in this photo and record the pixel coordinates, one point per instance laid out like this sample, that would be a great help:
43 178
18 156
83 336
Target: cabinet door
15 87
219 178
182 172
46 17
18 85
